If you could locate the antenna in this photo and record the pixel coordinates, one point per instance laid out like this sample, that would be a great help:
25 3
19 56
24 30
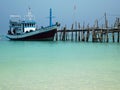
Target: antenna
29 15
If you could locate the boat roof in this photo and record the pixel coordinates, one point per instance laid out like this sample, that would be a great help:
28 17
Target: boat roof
29 18
24 21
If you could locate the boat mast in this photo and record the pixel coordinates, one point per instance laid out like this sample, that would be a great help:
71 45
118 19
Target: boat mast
50 17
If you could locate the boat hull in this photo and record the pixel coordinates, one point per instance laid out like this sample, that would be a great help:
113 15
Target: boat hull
40 36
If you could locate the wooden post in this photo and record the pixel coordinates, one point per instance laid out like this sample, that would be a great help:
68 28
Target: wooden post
87 37
61 35
83 38
101 35
75 31
79 36
107 36
79 32
76 36
56 36
65 35
106 26
72 35
118 37
113 36
72 32
104 33
64 32
93 34
118 26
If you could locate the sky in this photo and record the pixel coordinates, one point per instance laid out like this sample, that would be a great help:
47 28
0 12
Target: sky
65 12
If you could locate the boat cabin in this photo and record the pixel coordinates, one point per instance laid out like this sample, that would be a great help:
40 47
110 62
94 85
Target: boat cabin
19 26
28 26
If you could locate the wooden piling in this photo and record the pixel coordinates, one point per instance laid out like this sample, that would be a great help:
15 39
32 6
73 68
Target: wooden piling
87 37
71 35
56 36
79 36
67 36
76 31
93 35
107 36
61 36
101 35
83 37
118 37
72 32
64 34
113 36
79 32
76 36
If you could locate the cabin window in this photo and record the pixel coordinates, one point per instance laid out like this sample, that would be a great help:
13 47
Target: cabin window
13 25
33 25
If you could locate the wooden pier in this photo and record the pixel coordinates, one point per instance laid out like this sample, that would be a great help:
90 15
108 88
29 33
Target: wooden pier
97 35
94 34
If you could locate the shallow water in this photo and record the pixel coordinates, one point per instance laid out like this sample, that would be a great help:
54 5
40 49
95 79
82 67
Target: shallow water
27 65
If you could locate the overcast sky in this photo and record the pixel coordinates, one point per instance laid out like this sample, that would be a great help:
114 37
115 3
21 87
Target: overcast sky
65 11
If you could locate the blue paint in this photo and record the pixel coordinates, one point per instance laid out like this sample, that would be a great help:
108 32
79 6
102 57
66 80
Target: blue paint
50 17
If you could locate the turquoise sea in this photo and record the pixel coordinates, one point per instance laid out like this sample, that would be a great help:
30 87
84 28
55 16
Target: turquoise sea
36 65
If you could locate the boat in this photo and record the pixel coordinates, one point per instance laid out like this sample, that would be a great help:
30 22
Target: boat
26 30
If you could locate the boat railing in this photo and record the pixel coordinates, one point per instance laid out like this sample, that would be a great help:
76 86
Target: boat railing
15 18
